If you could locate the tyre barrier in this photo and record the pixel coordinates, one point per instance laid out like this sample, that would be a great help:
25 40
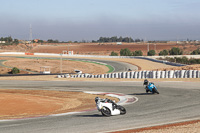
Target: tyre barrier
140 74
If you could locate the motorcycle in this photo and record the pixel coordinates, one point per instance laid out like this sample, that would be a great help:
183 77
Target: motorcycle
150 87
108 107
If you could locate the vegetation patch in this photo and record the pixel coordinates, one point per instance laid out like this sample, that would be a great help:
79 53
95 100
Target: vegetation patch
182 60
15 70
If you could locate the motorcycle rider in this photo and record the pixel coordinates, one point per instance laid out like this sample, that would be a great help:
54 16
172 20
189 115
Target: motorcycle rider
114 105
150 87
146 82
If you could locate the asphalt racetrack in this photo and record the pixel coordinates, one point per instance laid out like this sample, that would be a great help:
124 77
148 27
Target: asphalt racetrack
177 101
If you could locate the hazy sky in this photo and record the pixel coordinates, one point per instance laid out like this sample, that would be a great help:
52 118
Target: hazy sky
67 20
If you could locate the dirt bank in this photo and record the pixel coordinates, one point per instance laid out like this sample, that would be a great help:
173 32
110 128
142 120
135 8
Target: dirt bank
32 103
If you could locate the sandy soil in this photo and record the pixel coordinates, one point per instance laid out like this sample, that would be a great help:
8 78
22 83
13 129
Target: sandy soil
98 49
67 65
188 67
32 103
107 48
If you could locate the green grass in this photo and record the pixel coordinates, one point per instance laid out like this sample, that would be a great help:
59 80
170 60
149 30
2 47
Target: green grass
111 69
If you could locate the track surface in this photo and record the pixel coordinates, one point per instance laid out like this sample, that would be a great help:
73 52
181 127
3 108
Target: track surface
177 101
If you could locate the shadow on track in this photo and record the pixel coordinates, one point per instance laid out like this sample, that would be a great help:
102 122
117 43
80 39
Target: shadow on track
142 94
94 115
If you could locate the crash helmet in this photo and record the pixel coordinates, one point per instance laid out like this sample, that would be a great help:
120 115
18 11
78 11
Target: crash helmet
146 82
96 99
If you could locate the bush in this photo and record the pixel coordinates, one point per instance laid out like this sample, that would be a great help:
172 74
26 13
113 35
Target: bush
164 52
113 53
183 60
175 51
138 53
125 52
195 52
15 70
151 53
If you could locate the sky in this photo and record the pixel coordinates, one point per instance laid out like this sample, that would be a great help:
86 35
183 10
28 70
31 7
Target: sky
77 20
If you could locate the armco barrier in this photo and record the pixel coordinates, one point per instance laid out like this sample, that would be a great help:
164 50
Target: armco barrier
142 74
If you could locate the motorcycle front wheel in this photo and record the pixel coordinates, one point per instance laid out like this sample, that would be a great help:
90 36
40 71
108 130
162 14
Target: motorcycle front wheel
122 110
106 111
155 91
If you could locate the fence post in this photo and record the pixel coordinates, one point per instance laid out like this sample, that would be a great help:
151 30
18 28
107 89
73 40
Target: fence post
198 74
154 74
182 74
176 75
139 74
171 73
147 74
144 74
194 74
128 75
136 75
158 74
190 74
162 74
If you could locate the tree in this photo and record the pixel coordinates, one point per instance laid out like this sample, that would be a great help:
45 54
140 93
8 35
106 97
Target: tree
15 70
125 52
16 41
6 39
115 39
175 51
40 41
113 53
151 53
126 39
164 52
52 41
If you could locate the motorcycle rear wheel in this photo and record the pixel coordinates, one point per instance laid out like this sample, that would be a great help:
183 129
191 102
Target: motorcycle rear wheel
106 111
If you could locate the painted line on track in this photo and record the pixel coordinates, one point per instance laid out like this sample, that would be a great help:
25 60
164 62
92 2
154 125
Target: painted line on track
123 99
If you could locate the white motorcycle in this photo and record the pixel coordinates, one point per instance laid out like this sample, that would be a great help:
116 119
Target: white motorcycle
108 107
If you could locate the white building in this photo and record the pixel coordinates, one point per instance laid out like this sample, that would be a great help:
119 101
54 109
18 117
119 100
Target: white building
2 41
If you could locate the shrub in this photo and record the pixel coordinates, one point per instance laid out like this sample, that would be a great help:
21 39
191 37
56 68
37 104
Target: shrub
125 52
151 53
195 52
183 60
113 53
138 53
164 52
15 70
175 51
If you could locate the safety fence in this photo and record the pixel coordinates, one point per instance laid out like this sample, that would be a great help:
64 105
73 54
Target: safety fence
140 74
